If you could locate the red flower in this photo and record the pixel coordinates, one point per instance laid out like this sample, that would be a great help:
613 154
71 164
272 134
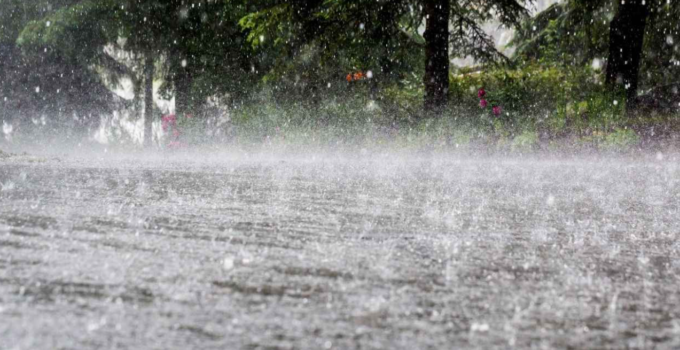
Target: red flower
497 110
481 93
483 103
355 76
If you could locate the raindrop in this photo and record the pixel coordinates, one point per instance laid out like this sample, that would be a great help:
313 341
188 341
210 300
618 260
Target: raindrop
184 13
369 74
550 201
37 89
246 260
597 64
659 156
7 128
184 63
479 327
7 186
48 23
228 263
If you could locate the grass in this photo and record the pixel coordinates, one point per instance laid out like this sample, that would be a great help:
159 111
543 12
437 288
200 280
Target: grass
361 122
352 119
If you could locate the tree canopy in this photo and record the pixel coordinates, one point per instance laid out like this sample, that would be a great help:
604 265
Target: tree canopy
66 56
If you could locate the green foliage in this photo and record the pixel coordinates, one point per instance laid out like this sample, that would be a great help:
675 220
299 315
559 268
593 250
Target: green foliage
78 31
318 42
280 66
554 99
528 90
661 58
621 139
360 123
311 44
573 32
576 32
42 81
14 14
526 141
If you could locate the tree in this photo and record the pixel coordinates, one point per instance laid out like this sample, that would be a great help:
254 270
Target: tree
567 33
39 82
466 38
320 42
584 33
436 78
362 35
207 53
626 38
148 100
198 45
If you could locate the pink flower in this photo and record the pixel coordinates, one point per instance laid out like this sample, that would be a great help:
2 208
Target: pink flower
483 103
481 93
497 110
168 121
170 118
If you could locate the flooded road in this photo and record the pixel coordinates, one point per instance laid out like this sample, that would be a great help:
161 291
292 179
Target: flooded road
339 253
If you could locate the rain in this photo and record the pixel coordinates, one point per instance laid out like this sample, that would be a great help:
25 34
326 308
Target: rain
411 174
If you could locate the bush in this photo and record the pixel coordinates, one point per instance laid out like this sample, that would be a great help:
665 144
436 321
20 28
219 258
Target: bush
621 139
552 100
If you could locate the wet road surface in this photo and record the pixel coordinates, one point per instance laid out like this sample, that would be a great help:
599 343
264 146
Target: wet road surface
339 252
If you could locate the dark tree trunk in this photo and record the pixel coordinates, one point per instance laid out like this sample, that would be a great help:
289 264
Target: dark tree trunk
626 36
138 88
181 80
436 35
148 99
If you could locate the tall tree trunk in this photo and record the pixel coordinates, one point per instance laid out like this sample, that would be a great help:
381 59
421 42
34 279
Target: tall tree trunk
181 77
436 35
182 83
626 36
138 88
148 99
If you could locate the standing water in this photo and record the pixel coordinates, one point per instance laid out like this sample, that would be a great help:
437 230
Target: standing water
330 251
